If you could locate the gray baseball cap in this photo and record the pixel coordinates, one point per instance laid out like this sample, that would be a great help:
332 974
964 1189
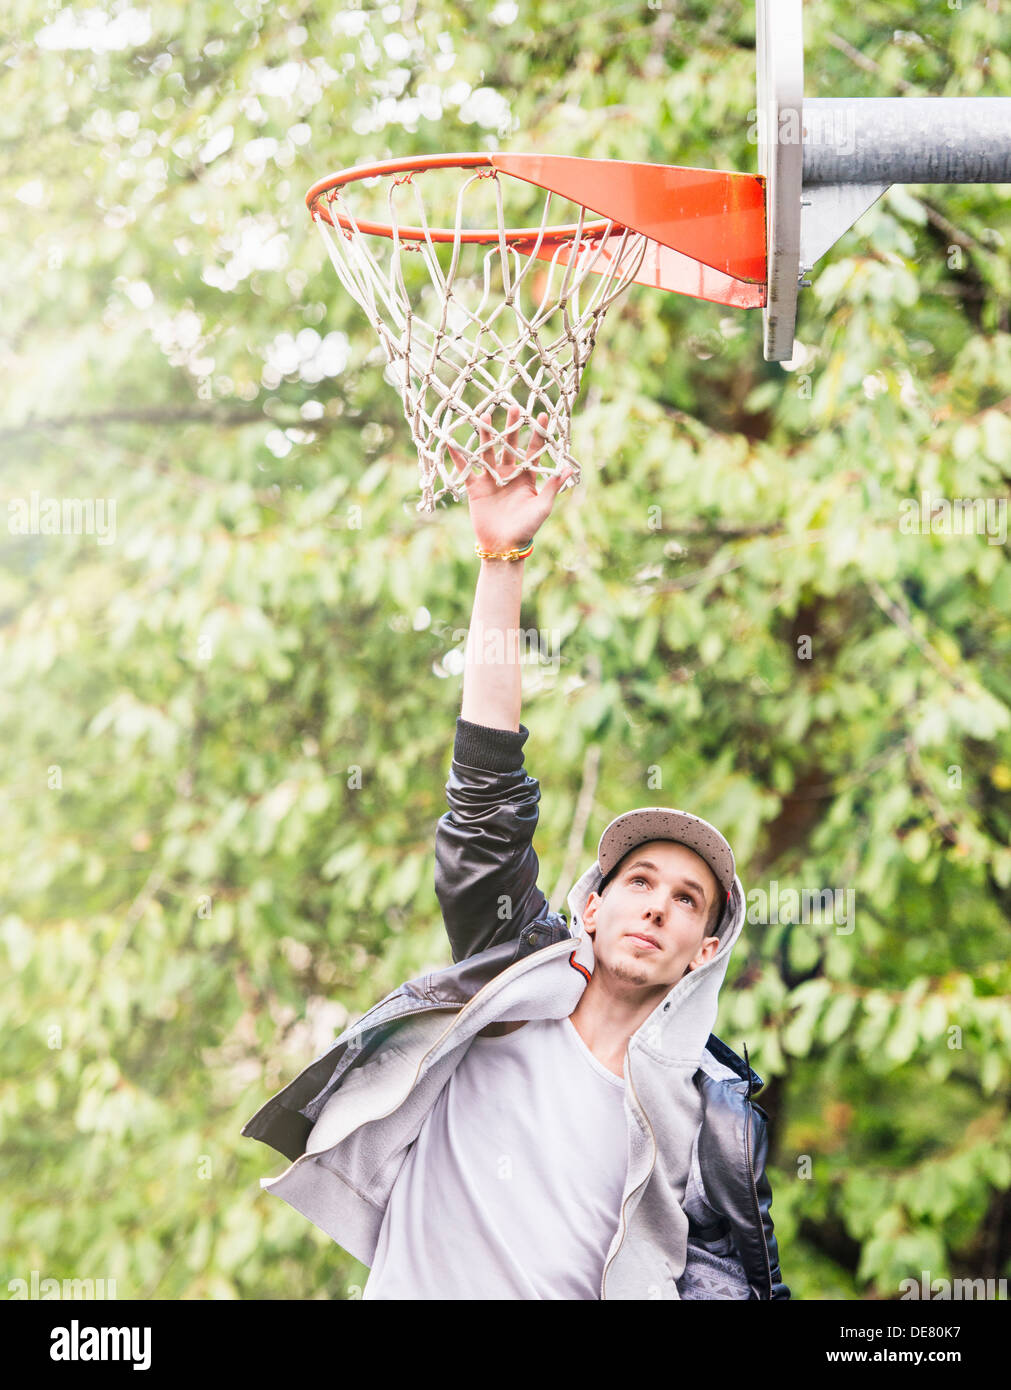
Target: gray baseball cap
662 823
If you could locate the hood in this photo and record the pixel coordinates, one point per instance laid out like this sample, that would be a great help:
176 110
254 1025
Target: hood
680 1025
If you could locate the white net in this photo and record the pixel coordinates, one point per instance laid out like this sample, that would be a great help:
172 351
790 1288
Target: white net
471 329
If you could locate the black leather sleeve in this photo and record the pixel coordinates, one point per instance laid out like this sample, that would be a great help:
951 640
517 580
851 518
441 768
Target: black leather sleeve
733 1146
763 1191
485 864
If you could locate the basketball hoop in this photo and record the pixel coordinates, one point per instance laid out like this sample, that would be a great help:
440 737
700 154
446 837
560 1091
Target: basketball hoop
474 321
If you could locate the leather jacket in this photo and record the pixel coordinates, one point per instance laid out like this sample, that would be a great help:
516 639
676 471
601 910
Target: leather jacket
484 859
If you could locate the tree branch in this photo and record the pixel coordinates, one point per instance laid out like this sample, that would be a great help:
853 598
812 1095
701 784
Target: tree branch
220 417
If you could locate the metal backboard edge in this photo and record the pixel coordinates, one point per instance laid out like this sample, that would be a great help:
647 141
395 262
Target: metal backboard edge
780 112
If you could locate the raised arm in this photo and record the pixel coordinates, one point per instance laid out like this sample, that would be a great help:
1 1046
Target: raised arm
492 682
485 864
503 518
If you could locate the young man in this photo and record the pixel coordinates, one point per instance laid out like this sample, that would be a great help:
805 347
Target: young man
549 1117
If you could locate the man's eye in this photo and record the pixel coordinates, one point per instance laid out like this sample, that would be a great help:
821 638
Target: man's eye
638 879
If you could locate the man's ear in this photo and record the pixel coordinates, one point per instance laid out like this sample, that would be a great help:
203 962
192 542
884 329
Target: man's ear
705 952
589 914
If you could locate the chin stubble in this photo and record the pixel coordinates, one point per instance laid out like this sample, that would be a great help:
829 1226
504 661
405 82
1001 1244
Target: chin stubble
623 973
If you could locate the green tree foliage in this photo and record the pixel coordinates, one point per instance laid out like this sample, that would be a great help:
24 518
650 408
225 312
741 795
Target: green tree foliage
229 727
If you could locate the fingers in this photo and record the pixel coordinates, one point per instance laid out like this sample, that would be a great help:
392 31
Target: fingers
484 434
553 486
537 438
507 463
510 454
548 494
462 465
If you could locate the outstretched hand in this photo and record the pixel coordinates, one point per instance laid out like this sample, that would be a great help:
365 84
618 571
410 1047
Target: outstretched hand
509 515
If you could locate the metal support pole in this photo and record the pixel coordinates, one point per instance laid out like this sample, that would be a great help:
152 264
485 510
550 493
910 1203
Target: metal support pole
885 140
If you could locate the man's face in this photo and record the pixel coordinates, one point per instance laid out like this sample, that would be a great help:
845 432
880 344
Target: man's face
649 928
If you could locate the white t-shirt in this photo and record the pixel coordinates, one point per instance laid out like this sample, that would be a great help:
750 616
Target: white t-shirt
513 1186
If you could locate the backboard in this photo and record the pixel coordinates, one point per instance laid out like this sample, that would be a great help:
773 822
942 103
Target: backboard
780 113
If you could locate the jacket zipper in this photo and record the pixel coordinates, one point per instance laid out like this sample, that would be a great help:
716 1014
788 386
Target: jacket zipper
456 1019
754 1195
621 1242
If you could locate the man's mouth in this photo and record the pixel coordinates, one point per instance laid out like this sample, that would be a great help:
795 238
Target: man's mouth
648 942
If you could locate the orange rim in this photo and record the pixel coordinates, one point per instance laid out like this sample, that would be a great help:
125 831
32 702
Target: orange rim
320 198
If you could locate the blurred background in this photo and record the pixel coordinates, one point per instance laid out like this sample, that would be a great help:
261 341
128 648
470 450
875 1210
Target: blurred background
227 708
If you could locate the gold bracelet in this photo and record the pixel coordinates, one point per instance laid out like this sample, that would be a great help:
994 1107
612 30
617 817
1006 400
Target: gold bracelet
517 553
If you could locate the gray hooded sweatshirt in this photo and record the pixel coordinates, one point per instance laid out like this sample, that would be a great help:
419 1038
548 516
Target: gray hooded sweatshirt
368 1114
